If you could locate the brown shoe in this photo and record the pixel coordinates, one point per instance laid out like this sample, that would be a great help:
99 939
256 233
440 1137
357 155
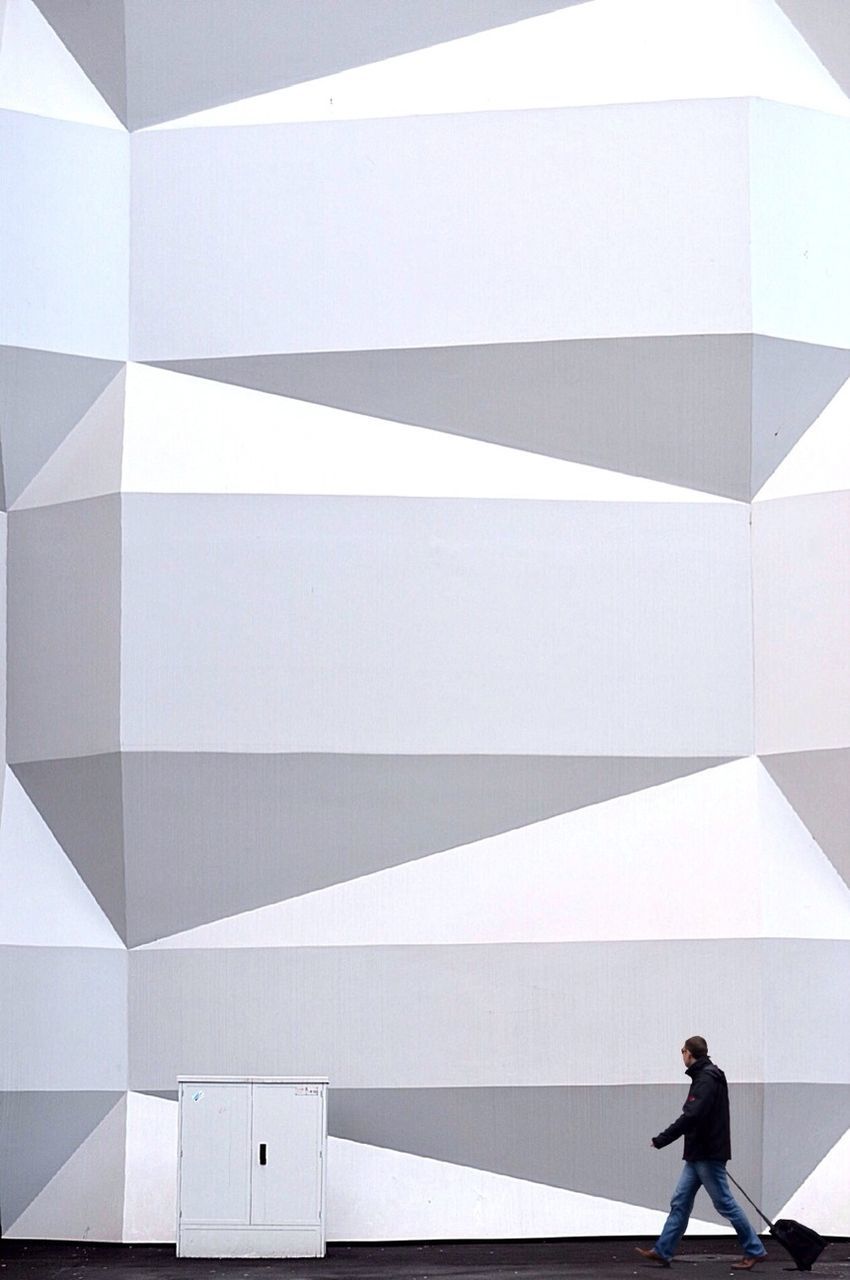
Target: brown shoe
747 1263
652 1256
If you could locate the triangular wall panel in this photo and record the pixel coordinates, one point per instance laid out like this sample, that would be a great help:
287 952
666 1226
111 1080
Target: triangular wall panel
43 901
43 395
301 822
40 77
39 1132
821 1202
820 461
789 1164
574 57
817 784
192 435
598 874
87 464
792 384
559 1137
80 800
252 49
376 1193
94 34
673 409
825 26
84 1200
714 413
802 894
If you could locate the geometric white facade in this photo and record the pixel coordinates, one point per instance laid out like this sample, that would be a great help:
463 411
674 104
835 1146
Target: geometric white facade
424 444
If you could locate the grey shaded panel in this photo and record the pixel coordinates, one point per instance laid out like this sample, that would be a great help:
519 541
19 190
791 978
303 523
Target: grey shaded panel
93 31
592 1139
817 785
64 576
38 1133
63 1011
448 1016
3 613
210 835
200 53
43 395
806 998
675 409
802 1122
80 799
792 383
825 26
418 626
681 409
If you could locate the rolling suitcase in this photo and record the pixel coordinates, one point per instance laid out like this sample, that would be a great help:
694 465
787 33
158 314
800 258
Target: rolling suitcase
804 1245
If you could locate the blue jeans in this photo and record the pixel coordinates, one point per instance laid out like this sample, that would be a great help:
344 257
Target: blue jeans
710 1174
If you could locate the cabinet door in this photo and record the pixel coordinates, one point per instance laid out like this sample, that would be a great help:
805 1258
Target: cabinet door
287 1133
215 1162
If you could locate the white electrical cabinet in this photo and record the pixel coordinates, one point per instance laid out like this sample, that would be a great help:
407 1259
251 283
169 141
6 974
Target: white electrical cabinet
251 1167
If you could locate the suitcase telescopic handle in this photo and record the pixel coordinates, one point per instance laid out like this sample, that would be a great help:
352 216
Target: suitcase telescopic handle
761 1213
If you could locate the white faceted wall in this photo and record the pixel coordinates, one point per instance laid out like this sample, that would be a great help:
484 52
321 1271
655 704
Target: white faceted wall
424 444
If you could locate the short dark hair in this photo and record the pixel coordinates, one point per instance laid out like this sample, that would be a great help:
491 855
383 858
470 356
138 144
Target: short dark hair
696 1047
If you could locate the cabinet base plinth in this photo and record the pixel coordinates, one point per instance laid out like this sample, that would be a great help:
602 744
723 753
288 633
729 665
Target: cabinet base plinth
250 1242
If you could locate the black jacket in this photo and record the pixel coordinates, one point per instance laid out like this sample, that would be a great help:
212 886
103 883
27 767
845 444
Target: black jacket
705 1116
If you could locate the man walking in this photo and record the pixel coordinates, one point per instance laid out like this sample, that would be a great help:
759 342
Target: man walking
705 1124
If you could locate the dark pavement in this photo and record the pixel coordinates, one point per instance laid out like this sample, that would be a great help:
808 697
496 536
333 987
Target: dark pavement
708 1258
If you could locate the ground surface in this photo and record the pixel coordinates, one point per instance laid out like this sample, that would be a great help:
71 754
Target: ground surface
706 1259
